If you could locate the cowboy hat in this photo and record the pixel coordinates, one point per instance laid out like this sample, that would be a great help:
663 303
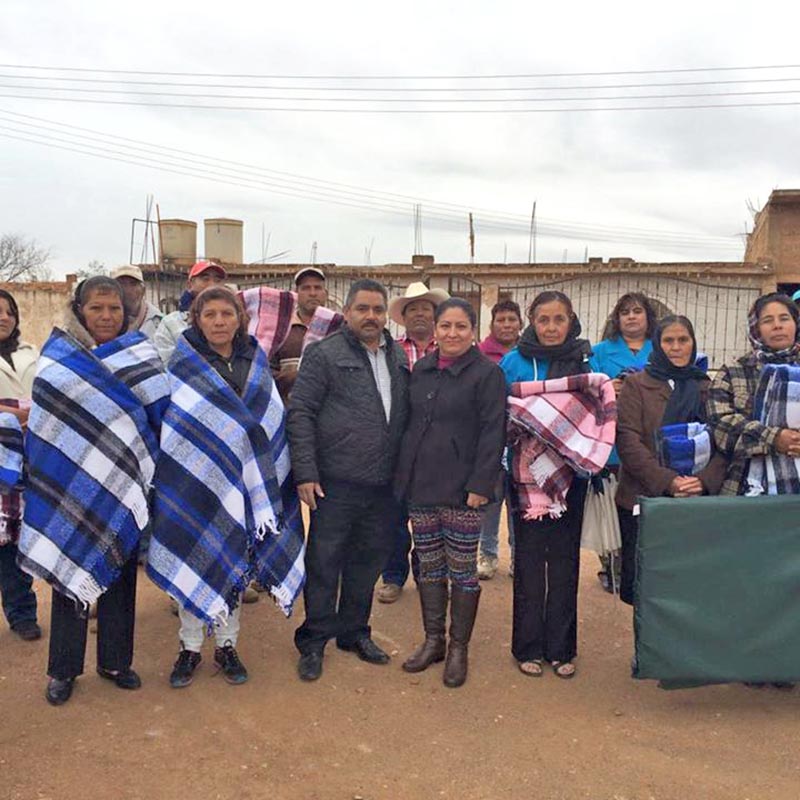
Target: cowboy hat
415 291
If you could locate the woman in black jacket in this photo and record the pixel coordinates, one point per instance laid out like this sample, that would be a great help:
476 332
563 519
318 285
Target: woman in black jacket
448 470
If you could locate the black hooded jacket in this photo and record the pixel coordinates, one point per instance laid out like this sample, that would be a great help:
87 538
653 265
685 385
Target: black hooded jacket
337 424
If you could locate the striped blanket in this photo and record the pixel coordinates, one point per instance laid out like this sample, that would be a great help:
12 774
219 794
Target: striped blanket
685 447
10 474
10 451
91 447
270 312
226 510
776 404
558 428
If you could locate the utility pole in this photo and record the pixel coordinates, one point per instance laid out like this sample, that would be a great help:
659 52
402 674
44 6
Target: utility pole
532 237
471 240
314 253
417 229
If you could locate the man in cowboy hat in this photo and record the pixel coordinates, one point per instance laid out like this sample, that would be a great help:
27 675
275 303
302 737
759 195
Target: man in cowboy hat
413 311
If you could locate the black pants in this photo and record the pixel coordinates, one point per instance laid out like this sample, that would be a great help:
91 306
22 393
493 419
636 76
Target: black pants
351 536
116 610
629 531
546 567
19 600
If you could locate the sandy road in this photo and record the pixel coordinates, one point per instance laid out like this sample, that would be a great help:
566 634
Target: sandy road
376 733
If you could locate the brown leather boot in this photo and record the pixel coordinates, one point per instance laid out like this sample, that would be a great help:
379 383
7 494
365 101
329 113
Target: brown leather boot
433 598
463 608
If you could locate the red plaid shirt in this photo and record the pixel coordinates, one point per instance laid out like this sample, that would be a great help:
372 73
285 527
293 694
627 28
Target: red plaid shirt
413 353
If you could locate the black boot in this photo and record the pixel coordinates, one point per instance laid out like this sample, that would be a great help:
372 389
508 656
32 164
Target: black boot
463 608
433 598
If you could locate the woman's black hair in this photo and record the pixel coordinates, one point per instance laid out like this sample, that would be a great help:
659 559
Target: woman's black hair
776 297
104 285
456 302
11 342
673 319
506 305
550 296
218 293
611 329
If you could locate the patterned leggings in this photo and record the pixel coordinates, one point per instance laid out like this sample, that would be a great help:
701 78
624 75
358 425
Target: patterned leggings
446 541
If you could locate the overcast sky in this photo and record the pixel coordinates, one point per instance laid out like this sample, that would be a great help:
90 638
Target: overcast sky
684 174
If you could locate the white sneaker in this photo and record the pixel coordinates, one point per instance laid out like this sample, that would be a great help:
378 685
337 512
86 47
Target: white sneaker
487 566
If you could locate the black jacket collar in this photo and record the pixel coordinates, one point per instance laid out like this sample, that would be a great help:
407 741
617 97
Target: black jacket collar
431 361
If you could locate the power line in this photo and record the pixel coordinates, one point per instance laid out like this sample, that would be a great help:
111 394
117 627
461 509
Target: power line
395 89
270 76
259 184
268 98
331 188
305 110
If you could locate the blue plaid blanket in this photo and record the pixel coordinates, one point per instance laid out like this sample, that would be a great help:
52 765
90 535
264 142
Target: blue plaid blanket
226 509
685 447
10 452
776 404
91 448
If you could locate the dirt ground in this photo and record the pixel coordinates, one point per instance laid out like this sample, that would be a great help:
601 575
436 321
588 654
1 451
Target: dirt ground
376 733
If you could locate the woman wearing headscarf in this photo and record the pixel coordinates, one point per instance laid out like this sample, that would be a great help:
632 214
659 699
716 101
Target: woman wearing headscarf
663 443
91 447
625 347
546 373
743 432
448 471
226 510
17 370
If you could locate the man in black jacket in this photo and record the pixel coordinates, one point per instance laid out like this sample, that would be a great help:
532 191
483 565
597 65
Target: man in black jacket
347 414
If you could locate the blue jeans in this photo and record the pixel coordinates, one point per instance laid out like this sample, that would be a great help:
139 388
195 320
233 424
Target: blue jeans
19 601
396 569
491 524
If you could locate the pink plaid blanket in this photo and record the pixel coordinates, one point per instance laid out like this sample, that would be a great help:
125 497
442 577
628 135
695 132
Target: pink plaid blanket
270 311
557 428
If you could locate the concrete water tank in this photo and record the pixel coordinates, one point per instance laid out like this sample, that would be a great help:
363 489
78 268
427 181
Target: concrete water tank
179 240
224 240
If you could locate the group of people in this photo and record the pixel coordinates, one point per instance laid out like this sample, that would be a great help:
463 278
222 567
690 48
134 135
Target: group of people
194 438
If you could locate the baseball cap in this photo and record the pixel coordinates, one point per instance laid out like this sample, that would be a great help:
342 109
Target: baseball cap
308 271
128 271
199 267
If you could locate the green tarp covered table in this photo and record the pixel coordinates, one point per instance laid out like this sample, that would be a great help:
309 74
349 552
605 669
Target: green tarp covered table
717 593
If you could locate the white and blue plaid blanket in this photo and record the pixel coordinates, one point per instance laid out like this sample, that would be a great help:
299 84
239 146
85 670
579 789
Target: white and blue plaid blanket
10 452
90 448
226 509
684 447
776 404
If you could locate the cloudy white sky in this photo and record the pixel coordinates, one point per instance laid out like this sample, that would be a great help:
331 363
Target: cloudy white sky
683 177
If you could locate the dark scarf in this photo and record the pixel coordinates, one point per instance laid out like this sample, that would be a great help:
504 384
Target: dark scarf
568 358
684 404
764 354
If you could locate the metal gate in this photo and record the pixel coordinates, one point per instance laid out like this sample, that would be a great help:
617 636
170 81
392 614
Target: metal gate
717 311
